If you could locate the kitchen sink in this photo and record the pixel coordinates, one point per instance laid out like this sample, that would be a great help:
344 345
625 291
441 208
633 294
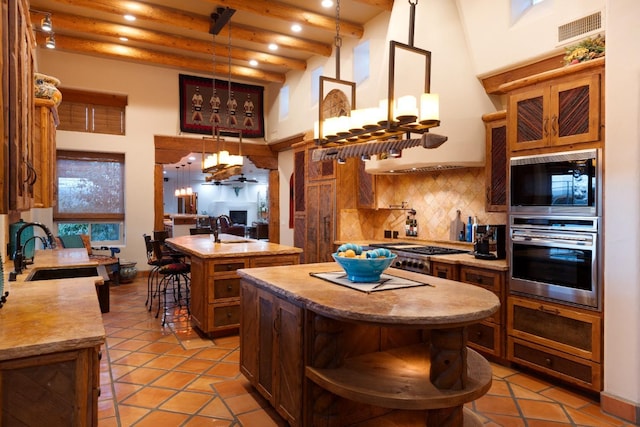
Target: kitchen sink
61 273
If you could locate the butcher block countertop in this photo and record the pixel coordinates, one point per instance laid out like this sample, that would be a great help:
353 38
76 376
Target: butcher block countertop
202 246
445 302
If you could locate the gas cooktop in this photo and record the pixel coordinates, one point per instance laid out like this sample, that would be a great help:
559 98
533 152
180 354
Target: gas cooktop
419 249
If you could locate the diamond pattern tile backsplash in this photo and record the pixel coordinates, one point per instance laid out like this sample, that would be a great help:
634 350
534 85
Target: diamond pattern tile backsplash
436 196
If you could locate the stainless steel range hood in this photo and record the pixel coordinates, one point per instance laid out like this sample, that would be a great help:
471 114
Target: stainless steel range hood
453 154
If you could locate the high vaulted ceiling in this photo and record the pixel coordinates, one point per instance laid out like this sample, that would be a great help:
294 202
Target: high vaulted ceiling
175 33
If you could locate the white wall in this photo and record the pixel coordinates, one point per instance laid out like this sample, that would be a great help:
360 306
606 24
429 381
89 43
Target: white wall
622 202
152 110
496 43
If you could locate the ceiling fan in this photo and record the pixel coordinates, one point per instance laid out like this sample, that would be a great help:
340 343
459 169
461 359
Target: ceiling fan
243 178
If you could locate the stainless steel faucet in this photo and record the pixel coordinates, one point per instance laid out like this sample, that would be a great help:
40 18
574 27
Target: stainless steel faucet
216 229
19 262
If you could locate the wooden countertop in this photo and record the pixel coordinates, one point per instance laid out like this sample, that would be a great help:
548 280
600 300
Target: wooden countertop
202 246
446 303
50 316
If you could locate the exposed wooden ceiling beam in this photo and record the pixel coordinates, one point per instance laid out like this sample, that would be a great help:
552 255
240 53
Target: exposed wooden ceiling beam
190 21
117 51
382 4
66 22
276 9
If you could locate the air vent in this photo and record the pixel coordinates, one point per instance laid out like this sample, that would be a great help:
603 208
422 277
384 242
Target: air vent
580 29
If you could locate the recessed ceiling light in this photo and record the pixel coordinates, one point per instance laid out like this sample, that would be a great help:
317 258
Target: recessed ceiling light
253 63
124 39
273 46
327 3
129 17
296 28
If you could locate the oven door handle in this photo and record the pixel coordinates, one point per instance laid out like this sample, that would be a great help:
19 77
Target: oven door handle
541 239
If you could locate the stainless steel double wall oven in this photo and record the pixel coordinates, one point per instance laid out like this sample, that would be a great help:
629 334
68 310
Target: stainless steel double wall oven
555 227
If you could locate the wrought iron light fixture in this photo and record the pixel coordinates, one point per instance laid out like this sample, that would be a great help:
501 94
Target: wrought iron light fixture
221 165
375 131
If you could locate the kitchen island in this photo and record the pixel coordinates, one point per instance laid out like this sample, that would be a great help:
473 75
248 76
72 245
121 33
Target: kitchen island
50 337
326 354
215 284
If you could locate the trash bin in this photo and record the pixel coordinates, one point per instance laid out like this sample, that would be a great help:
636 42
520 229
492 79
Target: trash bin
103 296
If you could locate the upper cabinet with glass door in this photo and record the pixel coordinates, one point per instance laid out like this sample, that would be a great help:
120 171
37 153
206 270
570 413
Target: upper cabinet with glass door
556 108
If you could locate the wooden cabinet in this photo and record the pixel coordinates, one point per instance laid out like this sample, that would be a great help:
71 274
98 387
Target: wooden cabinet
215 290
61 388
556 108
320 221
18 105
444 270
558 340
44 156
271 355
487 336
314 205
366 188
496 161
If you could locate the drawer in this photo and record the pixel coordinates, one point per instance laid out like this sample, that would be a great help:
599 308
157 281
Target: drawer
572 369
274 260
224 288
226 316
490 280
444 270
485 337
555 326
228 266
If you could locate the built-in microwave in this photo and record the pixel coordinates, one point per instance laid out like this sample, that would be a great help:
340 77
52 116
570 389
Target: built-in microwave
566 182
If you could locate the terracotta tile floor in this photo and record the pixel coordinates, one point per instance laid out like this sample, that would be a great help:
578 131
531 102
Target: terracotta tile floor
171 376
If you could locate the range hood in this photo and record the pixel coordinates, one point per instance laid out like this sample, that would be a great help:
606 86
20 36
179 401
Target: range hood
458 152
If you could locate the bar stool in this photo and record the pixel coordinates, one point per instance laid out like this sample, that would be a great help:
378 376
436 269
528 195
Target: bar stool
155 263
173 277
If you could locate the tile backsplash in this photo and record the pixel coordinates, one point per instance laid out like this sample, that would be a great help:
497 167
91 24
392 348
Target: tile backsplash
435 196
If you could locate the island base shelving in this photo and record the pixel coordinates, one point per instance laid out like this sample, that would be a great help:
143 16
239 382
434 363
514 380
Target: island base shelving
362 359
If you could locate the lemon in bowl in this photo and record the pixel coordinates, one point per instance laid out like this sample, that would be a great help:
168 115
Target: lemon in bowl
365 267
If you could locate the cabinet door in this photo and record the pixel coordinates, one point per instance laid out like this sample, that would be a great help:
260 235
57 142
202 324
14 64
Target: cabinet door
289 359
496 168
44 154
366 188
575 107
528 119
320 221
271 349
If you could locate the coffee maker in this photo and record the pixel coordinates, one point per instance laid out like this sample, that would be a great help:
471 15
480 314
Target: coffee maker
490 242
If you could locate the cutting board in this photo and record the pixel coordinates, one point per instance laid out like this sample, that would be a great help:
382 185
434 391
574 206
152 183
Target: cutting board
456 227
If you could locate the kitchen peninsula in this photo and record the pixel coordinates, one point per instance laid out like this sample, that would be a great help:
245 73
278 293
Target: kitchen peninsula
50 337
326 354
215 284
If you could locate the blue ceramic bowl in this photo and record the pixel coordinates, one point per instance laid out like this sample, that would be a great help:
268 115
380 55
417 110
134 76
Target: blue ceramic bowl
364 270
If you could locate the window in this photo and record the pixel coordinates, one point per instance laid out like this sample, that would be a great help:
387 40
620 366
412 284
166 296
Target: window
284 102
315 85
361 62
91 196
94 112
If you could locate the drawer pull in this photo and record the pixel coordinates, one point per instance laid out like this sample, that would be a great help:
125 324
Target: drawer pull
547 310
548 361
229 314
479 334
229 287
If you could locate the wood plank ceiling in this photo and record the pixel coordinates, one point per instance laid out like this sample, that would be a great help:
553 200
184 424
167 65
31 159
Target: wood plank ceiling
175 33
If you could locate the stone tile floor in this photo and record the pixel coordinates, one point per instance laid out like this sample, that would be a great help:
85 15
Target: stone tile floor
172 376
